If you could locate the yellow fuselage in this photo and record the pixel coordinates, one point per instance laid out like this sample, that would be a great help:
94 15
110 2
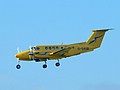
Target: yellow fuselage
43 52
55 52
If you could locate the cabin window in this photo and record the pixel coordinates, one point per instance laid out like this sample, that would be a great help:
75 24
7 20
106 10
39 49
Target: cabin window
57 47
53 48
46 48
50 48
61 47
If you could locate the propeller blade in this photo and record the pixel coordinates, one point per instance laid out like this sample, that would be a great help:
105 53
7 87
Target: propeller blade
31 50
18 50
31 54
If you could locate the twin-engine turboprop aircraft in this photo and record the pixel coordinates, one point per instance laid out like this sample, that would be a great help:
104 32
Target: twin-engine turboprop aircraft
57 52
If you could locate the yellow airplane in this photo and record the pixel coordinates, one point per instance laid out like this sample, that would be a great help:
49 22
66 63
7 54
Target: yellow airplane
57 52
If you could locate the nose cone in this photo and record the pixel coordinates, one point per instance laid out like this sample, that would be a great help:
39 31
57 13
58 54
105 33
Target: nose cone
18 55
23 55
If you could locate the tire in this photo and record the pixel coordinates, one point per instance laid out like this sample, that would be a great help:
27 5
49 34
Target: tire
44 66
18 66
57 64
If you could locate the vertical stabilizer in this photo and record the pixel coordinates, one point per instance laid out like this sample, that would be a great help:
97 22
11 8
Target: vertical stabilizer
96 38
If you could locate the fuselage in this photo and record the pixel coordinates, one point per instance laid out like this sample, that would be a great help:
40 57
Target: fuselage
44 52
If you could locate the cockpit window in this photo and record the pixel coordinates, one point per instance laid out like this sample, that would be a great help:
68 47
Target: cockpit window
33 48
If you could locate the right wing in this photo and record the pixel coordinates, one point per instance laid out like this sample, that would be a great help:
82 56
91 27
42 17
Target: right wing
60 52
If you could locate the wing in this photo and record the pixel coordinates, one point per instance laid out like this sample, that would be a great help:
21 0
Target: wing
60 52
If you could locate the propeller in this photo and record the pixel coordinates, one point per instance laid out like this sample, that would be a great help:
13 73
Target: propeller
31 50
31 54
18 50
18 65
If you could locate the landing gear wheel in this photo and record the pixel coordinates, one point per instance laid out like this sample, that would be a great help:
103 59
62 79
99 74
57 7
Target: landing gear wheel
18 66
57 64
44 66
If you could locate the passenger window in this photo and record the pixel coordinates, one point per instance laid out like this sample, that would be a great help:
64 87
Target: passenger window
57 47
50 48
61 47
46 48
53 48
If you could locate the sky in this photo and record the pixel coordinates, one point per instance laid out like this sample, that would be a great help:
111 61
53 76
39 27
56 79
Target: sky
43 22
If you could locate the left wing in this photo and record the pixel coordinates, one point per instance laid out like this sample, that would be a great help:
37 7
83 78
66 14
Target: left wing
60 52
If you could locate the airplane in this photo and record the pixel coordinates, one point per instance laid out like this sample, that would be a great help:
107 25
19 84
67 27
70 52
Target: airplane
57 52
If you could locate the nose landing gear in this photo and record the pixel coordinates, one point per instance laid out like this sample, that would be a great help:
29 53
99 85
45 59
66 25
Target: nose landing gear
18 66
45 65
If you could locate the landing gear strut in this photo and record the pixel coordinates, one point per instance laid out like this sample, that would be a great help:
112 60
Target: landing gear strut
57 64
18 65
45 65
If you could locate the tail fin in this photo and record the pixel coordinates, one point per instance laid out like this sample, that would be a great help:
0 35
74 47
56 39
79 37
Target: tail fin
96 38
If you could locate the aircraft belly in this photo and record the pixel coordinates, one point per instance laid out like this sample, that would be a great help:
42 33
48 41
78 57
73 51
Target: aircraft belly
47 57
40 56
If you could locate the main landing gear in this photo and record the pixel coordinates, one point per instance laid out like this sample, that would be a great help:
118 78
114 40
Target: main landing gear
56 64
18 65
45 65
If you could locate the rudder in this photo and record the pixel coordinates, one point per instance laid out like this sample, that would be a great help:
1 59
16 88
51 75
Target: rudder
96 38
